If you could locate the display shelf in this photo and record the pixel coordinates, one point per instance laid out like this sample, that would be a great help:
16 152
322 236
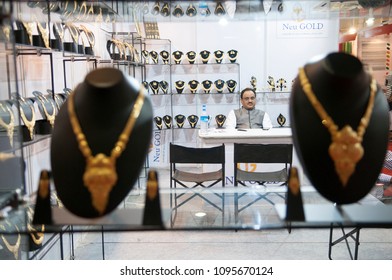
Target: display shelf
37 139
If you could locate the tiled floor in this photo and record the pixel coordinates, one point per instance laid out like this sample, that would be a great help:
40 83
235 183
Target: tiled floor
300 244
279 244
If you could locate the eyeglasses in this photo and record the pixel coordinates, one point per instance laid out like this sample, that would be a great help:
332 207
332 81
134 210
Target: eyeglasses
249 98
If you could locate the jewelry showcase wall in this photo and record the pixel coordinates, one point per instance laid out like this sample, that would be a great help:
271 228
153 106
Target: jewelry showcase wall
182 53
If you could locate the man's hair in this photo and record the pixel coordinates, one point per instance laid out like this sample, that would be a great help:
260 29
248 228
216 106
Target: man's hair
247 89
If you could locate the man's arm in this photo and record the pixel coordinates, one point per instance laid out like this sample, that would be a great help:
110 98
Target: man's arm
231 120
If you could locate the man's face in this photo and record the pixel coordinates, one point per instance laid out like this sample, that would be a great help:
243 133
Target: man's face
248 100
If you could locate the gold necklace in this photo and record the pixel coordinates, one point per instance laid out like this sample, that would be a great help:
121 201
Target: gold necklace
180 119
167 120
100 174
206 86
158 122
346 148
232 55
231 85
49 117
180 85
219 84
177 56
205 56
193 119
89 35
191 55
73 30
193 85
154 85
44 31
130 52
58 30
14 249
146 56
164 86
29 29
165 57
6 30
8 126
58 100
220 120
28 123
218 56
82 7
154 56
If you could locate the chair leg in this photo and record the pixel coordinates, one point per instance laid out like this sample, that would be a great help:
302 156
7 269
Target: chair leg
344 238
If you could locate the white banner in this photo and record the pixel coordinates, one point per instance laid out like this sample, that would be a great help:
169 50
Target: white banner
157 154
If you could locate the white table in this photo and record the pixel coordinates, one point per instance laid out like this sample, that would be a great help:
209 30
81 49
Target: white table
216 137
259 136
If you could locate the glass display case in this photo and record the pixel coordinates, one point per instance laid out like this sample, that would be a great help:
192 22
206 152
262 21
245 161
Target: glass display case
185 54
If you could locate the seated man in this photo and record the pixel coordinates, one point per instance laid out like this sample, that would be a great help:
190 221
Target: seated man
248 116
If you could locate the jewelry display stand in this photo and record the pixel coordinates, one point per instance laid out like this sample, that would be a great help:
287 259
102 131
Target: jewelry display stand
27 114
7 126
103 90
343 89
47 108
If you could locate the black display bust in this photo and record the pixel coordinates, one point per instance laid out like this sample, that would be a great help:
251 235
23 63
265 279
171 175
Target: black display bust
103 103
342 86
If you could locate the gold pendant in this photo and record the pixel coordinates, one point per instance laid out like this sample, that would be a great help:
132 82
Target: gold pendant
31 130
100 177
51 119
346 150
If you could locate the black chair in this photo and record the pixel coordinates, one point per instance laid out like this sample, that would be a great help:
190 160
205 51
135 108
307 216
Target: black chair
281 155
183 161
277 156
190 156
